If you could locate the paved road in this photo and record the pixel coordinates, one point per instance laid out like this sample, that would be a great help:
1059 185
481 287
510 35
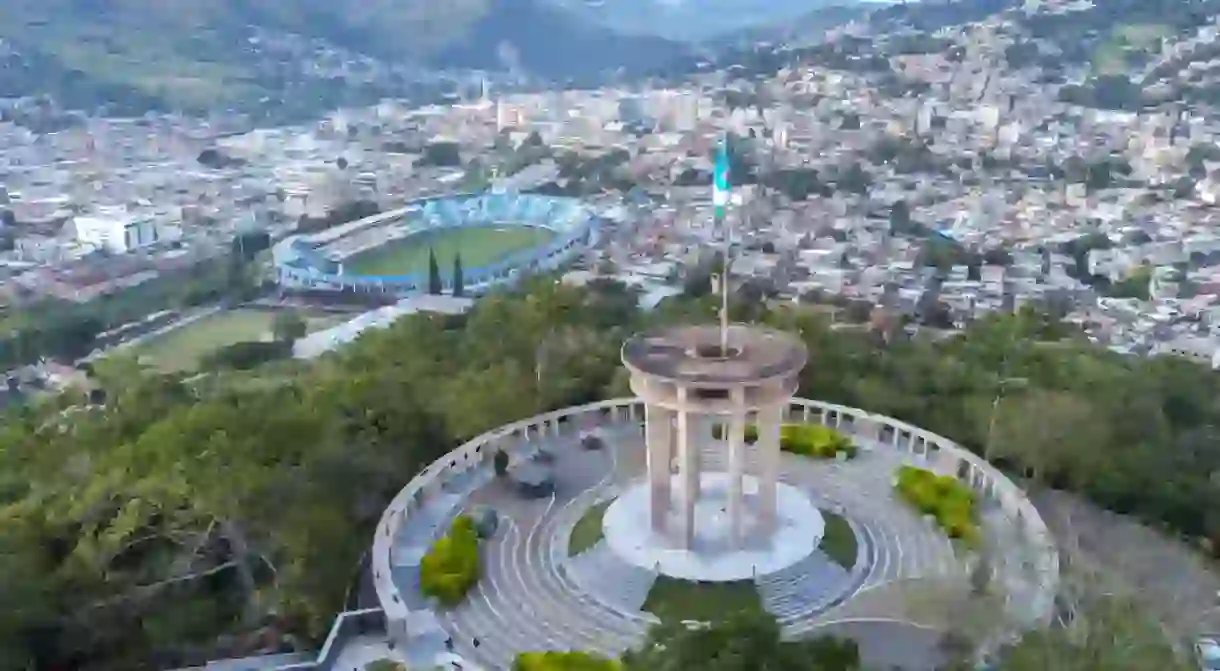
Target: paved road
891 646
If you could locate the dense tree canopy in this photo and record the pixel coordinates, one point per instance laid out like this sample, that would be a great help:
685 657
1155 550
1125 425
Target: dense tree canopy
183 520
747 641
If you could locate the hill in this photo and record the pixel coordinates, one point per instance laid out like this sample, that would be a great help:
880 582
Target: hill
692 20
131 55
809 27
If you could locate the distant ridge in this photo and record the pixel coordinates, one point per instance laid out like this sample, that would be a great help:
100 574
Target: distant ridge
197 56
694 20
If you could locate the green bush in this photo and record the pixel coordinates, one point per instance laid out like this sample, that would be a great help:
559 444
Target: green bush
564 661
815 440
451 566
943 497
246 355
810 440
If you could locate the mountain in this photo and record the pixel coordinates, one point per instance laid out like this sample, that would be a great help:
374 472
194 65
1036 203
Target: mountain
691 20
186 54
806 28
554 43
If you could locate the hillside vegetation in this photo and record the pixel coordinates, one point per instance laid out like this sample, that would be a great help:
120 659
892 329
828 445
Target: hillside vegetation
182 521
199 56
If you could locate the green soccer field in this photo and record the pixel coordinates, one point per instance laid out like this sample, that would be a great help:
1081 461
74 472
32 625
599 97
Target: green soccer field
478 247
182 349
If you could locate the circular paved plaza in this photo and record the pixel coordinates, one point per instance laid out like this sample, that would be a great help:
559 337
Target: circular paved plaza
537 593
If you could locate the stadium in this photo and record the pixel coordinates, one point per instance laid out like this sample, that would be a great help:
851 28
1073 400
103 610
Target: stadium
498 236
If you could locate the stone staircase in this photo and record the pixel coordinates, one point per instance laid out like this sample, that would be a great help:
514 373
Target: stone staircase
615 581
808 586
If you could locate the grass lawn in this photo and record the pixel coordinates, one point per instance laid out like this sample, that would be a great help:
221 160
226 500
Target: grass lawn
588 530
839 541
478 247
183 349
674 599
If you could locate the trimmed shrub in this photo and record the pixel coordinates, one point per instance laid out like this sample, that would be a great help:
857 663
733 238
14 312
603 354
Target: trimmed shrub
815 440
564 661
941 496
451 566
809 440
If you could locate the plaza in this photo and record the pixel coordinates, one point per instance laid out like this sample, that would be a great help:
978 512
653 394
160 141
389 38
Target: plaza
532 595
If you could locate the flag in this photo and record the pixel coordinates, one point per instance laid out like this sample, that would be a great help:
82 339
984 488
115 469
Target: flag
720 179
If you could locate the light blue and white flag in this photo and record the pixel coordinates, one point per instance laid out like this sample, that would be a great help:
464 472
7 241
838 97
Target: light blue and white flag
720 179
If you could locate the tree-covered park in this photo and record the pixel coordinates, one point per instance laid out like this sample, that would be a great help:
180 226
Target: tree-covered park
170 520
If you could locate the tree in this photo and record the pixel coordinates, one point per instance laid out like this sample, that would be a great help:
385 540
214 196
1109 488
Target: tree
459 284
746 640
900 217
854 180
288 326
248 244
435 285
268 485
442 154
997 256
1107 634
969 616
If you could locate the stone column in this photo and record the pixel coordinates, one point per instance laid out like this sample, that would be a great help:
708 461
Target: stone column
660 456
768 456
688 471
736 429
699 433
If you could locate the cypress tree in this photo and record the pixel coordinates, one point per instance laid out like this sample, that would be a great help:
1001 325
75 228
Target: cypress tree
459 284
434 274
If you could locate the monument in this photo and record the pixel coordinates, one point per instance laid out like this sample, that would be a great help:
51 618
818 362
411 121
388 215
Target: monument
712 497
700 395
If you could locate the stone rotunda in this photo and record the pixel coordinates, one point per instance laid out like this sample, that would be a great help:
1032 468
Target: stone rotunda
711 506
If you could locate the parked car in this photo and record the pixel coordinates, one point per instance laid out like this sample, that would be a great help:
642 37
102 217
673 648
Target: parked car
1208 651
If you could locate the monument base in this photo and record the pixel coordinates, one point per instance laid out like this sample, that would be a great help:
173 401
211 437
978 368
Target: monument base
714 556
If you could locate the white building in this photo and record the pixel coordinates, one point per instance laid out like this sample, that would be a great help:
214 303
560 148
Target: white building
115 234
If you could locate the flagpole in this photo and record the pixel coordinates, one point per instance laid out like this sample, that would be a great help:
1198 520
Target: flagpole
724 267
724 295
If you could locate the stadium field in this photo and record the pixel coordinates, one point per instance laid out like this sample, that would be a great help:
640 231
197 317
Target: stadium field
478 247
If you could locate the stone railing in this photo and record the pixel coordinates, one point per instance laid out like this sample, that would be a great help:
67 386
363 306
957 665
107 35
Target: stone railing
936 452
349 625
515 440
946 457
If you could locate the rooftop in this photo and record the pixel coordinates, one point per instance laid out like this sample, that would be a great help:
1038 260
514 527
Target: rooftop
693 355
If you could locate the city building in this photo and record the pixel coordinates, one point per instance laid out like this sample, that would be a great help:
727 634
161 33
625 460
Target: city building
117 234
